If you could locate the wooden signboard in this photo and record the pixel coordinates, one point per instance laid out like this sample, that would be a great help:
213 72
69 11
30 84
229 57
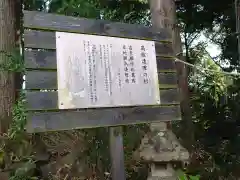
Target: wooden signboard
84 73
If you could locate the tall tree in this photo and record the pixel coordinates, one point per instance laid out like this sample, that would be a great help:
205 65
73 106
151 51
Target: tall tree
163 15
7 45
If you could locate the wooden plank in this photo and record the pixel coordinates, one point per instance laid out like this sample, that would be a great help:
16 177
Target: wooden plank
41 80
89 118
166 64
46 21
39 39
164 49
167 80
46 40
47 60
37 100
48 80
40 59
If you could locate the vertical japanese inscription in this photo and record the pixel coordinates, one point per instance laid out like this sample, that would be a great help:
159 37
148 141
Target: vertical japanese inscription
109 49
129 69
131 63
125 60
144 65
106 68
90 54
94 72
90 77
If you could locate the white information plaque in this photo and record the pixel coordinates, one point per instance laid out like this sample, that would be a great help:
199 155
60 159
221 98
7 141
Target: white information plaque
99 71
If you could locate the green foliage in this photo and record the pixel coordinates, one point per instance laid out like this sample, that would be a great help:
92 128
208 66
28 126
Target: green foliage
22 172
98 149
135 11
211 81
19 118
35 5
13 61
80 8
15 146
133 135
218 22
183 176
98 153
16 153
214 96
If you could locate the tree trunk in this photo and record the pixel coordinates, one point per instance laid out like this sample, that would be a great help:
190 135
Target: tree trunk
164 16
7 45
187 124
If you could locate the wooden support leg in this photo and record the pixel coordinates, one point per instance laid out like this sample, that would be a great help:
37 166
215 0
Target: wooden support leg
117 154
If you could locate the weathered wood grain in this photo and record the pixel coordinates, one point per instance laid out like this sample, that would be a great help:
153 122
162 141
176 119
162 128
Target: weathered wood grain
46 40
37 100
48 80
54 22
41 80
166 64
39 39
47 60
164 49
117 153
167 80
40 59
89 118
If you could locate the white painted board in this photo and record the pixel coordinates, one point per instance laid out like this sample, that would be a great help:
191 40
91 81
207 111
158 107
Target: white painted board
99 71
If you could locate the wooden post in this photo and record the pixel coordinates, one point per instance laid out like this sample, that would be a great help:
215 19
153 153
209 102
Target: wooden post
117 154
